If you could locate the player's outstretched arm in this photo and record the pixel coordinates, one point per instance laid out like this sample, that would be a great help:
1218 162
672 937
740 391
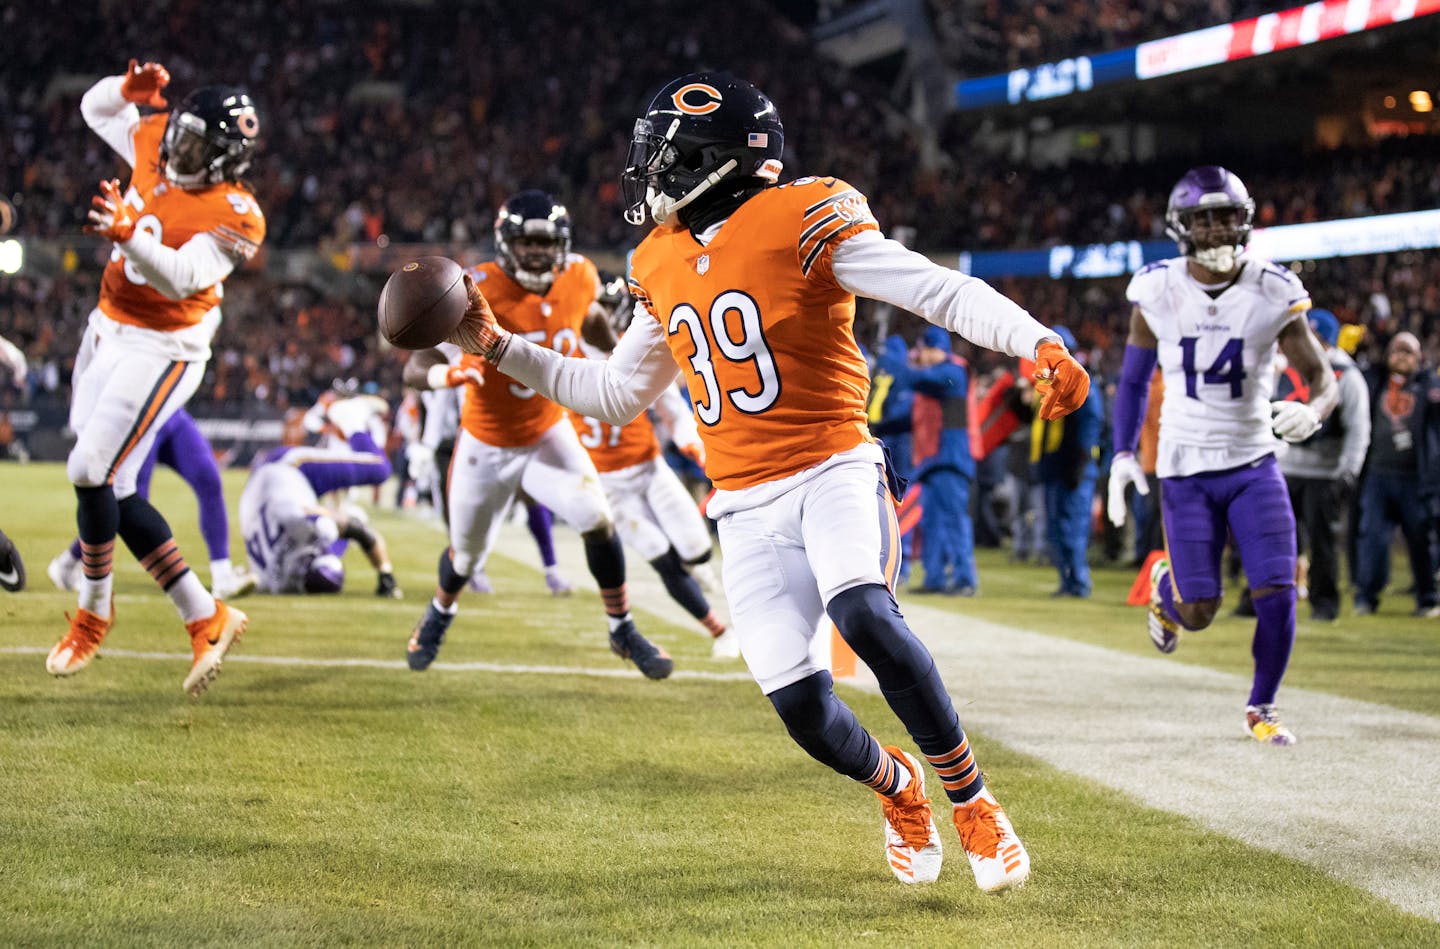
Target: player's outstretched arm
615 390
109 106
174 272
1132 397
872 266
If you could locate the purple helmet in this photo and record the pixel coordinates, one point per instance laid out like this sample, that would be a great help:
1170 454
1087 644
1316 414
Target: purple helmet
1210 211
326 574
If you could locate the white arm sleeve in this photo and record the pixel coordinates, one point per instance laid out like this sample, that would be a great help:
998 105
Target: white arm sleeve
873 266
613 391
111 117
178 272
13 359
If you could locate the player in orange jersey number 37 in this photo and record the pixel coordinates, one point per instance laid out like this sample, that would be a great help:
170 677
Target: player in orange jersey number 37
748 287
183 223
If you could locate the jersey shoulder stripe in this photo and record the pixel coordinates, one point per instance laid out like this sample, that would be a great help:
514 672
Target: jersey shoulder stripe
844 210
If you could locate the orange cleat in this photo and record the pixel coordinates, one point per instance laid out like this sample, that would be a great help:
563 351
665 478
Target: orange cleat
912 845
997 857
211 638
80 644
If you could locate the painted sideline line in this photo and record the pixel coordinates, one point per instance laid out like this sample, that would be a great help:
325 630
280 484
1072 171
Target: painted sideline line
358 663
1355 798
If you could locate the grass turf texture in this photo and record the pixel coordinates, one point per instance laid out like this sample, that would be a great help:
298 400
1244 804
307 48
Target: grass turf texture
305 805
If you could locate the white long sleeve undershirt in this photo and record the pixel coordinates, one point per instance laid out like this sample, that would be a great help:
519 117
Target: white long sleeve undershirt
174 272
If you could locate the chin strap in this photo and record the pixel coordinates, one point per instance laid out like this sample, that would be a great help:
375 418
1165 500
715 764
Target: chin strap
663 207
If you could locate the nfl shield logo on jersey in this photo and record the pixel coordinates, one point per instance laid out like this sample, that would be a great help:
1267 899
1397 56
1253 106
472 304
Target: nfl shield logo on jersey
703 264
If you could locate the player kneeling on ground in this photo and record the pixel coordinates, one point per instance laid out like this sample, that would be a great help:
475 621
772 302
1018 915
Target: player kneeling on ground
294 543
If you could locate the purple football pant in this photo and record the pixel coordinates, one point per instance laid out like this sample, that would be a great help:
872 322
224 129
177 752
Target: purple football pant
1251 505
336 470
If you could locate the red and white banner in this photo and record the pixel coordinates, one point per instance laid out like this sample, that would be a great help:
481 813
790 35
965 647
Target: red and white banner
1299 26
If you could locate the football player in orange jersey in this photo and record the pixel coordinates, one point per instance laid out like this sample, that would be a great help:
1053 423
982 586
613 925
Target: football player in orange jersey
512 439
749 287
656 517
183 224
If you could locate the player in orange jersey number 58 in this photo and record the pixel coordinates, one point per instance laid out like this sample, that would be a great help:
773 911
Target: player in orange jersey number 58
748 288
180 226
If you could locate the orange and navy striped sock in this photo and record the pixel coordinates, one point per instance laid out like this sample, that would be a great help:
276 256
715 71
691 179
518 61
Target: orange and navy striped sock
97 582
165 564
713 625
958 772
617 605
890 775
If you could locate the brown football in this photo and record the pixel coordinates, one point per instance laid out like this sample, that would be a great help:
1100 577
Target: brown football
423 302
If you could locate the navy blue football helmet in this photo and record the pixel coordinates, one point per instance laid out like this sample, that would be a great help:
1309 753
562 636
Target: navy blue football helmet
699 130
210 137
532 239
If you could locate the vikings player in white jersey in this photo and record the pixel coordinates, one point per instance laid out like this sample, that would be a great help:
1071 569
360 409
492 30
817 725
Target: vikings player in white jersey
1213 318
294 544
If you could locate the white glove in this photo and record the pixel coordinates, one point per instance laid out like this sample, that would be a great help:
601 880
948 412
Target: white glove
1293 421
1124 471
420 462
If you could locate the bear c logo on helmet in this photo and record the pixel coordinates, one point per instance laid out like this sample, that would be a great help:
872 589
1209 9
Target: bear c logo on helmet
698 98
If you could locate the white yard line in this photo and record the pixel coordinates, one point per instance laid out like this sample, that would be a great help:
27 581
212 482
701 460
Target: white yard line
355 663
1356 798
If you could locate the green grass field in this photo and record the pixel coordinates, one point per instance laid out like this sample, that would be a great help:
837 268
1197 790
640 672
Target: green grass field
331 804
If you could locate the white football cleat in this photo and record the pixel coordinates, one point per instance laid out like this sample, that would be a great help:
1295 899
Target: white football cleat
912 845
236 583
997 856
65 572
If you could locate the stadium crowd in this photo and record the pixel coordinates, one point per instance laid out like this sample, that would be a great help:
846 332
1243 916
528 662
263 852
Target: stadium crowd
340 165
990 36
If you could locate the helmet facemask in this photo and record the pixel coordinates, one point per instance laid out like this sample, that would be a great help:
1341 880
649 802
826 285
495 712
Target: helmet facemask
197 155
700 130
1210 215
1215 236
532 240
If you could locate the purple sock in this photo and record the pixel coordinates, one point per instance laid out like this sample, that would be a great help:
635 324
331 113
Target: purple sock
1274 638
539 520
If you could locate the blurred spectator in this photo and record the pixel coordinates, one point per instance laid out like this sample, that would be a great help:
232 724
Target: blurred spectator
943 465
1402 475
1065 453
1324 471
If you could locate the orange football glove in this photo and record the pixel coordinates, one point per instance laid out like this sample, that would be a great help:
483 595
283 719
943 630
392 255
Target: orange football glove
478 333
142 84
1061 380
111 217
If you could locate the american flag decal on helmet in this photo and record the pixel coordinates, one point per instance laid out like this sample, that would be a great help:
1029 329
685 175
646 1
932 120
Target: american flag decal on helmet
759 140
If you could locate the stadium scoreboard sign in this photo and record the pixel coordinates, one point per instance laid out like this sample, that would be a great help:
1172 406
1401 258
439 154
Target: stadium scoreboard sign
1229 42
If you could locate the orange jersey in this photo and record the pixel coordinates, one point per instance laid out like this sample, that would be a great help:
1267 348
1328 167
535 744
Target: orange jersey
226 211
613 447
763 333
502 412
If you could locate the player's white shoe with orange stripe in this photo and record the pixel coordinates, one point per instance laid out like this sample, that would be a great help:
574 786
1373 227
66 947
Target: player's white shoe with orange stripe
997 856
912 845
210 639
80 644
